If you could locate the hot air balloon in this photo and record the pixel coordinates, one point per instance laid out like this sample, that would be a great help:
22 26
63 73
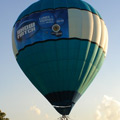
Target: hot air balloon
60 45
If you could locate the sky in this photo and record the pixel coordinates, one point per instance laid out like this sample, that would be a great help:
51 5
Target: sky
20 100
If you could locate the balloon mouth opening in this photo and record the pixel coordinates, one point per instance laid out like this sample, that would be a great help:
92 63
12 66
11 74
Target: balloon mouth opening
62 106
63 110
63 101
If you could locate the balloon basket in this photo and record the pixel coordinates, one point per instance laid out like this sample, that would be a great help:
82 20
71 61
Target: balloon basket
64 117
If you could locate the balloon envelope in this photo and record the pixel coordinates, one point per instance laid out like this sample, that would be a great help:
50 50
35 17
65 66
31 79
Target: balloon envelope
60 45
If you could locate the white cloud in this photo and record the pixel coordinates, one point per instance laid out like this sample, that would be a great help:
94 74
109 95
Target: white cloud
109 109
35 109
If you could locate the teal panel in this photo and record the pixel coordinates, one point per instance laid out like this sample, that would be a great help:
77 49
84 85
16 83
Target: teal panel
93 10
63 65
97 63
88 62
53 4
95 72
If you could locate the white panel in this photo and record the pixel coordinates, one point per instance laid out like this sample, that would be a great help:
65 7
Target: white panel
85 25
104 37
106 43
96 29
103 34
80 24
75 23
13 44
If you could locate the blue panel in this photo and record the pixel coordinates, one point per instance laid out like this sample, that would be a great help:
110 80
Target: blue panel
41 26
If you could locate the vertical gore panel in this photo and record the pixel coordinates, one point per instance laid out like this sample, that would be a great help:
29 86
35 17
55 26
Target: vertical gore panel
80 24
94 70
61 49
14 44
103 34
73 54
96 29
59 3
84 50
32 68
106 43
88 63
50 4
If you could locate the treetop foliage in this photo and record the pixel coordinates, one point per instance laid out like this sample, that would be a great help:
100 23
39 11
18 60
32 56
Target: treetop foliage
2 116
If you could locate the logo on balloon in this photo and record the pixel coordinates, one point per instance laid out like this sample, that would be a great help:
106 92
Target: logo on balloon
52 22
26 30
56 30
46 20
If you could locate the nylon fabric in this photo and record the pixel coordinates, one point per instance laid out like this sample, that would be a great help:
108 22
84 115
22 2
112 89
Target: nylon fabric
58 61
60 45
41 5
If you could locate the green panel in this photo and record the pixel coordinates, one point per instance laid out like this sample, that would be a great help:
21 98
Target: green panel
95 72
98 61
88 64
84 50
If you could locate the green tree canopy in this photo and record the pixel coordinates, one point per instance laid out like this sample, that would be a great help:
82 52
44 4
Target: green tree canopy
2 116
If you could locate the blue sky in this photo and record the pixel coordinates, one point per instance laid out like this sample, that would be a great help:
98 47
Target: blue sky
20 99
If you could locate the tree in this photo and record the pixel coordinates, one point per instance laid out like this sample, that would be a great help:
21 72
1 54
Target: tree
2 116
